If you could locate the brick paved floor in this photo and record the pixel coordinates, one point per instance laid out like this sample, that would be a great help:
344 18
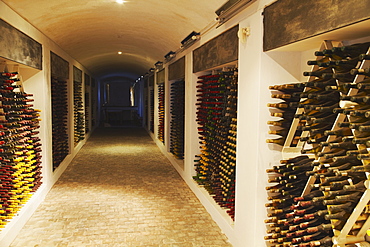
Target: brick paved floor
120 191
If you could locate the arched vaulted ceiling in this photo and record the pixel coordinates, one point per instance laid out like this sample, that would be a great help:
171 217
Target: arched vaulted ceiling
93 31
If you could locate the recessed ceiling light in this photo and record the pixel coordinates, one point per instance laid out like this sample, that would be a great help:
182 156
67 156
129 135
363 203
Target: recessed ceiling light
120 53
120 1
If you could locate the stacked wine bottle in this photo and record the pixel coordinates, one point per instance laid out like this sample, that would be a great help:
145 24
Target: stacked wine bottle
294 220
79 121
217 119
93 102
177 119
333 115
288 95
161 112
20 147
87 110
59 108
151 123
87 104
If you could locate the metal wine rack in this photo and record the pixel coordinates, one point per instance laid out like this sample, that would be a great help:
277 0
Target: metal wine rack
20 166
177 110
161 106
217 121
151 104
60 138
79 118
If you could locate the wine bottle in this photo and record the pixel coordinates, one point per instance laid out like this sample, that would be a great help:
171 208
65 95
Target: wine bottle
278 105
314 236
364 84
285 115
346 64
345 131
340 152
353 50
317 62
282 132
285 96
358 186
311 115
320 72
354 197
365 72
324 95
326 241
320 228
323 83
330 54
300 158
316 139
343 77
361 112
325 144
325 107
343 145
280 123
309 196
311 150
287 88
364 57
340 207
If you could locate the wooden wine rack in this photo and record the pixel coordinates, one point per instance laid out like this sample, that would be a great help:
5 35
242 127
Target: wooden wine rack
289 151
343 237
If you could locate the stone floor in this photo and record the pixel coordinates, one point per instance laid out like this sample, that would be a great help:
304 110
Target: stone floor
120 191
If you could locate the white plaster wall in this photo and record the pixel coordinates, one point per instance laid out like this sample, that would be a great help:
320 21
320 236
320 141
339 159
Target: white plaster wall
249 124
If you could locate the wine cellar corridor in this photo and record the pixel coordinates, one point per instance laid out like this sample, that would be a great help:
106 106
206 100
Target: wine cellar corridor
220 123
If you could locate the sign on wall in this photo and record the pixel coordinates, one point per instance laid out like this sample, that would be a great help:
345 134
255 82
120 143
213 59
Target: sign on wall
59 66
218 51
176 70
18 47
288 21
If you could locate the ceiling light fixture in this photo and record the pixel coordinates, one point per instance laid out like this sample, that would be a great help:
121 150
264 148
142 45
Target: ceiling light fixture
120 1
169 56
190 39
230 9
120 53
158 65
